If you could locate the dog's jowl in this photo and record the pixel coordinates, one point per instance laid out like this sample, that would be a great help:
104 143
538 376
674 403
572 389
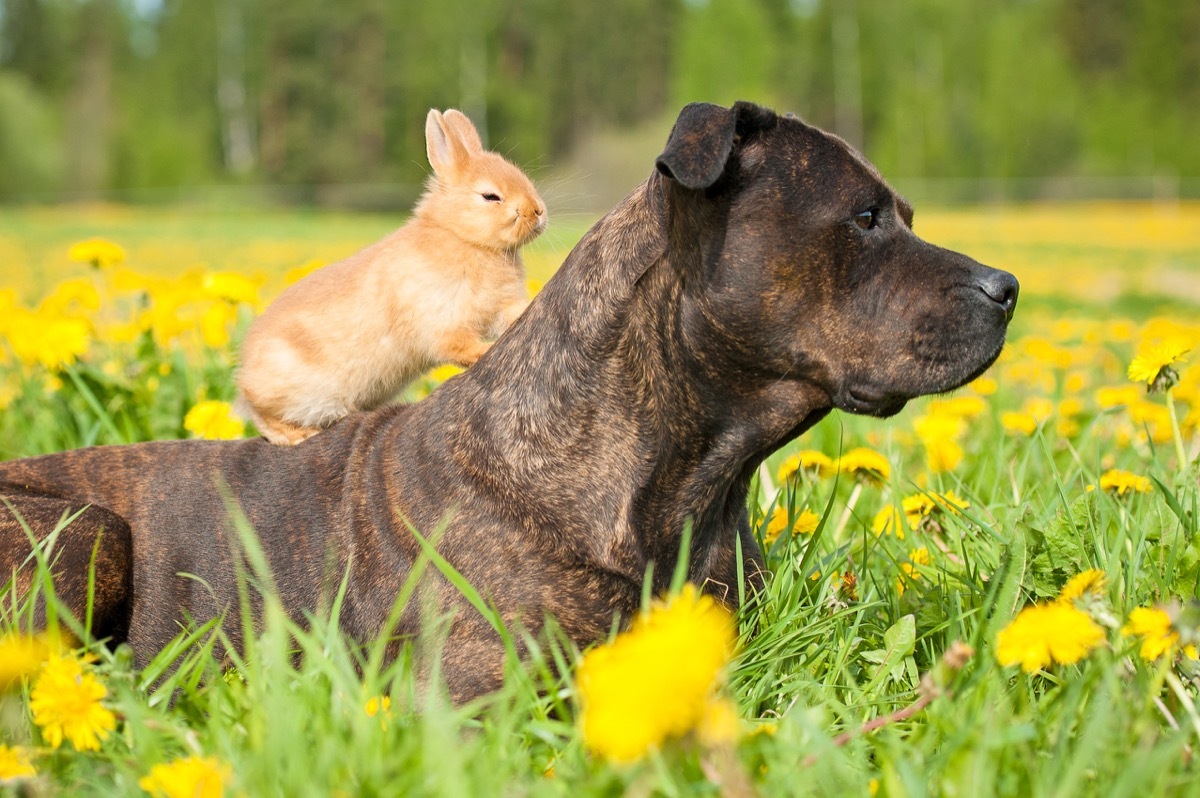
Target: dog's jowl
763 275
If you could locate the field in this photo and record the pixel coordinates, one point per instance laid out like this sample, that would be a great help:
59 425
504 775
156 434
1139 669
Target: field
990 594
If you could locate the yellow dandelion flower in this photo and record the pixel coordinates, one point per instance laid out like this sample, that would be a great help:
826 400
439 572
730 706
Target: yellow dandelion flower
298 273
985 386
637 692
213 420
915 557
917 507
887 521
866 463
20 656
1153 625
1154 363
15 764
1043 634
1039 408
190 777
51 341
99 252
1121 396
1076 382
1089 582
443 373
70 298
1121 330
805 462
231 287
965 406
952 501
214 325
381 706
719 724
1122 482
805 523
377 704
1017 423
65 702
940 433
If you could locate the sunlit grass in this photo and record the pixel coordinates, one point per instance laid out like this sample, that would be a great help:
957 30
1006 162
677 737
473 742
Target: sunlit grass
991 501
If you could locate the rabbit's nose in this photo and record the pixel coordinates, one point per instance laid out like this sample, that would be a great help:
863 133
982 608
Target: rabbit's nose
538 211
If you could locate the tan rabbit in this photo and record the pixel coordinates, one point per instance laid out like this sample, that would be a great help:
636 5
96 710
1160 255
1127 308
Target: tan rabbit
348 337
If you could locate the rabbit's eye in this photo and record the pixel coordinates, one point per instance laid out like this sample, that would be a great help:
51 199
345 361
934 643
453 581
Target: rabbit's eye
490 197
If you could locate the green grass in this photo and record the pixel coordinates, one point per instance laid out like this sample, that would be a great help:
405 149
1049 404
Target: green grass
287 716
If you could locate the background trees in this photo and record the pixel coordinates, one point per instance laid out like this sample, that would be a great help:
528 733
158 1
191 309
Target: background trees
153 98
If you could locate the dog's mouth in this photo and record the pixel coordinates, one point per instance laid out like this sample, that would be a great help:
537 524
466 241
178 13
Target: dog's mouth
870 401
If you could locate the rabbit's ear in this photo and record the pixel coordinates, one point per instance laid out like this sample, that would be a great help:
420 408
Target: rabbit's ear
465 128
446 152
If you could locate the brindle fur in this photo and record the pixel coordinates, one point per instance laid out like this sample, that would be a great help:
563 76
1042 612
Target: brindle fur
723 308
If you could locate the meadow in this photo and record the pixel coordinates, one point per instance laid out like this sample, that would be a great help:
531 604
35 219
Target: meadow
992 593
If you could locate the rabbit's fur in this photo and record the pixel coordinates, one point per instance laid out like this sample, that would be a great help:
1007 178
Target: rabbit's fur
350 336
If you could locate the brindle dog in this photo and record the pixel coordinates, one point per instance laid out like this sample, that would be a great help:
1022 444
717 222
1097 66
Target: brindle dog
763 275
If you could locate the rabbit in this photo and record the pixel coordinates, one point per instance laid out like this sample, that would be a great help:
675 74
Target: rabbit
350 336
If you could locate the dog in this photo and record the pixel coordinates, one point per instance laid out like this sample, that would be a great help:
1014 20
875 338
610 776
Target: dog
763 275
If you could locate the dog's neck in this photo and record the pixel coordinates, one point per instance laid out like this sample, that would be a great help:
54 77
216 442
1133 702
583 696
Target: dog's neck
612 379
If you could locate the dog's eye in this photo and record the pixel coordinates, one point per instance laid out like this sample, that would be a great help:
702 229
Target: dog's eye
491 197
867 220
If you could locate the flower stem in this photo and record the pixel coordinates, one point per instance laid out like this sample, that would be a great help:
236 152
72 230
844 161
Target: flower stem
1179 453
845 519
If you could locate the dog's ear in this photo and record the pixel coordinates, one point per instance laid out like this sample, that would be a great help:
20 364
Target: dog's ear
699 145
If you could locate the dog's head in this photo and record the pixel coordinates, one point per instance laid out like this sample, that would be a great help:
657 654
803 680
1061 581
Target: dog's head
810 269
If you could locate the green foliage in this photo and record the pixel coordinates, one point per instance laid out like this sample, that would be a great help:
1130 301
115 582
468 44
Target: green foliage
31 157
303 95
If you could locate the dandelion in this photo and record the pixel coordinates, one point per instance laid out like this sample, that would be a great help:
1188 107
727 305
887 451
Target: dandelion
808 461
804 524
965 406
20 656
213 420
952 501
1122 482
915 557
940 433
916 508
637 691
1155 363
1121 396
377 704
985 386
52 341
1018 423
298 273
191 777
214 324
443 373
99 252
381 706
231 287
1043 634
719 724
70 298
65 702
15 764
866 463
1087 583
1153 625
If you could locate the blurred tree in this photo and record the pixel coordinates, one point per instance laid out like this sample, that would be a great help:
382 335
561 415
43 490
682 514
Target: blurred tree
116 95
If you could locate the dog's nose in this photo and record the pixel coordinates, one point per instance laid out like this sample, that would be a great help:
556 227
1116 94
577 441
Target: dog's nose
1002 288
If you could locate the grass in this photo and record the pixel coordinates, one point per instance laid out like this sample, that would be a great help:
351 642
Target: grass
818 657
